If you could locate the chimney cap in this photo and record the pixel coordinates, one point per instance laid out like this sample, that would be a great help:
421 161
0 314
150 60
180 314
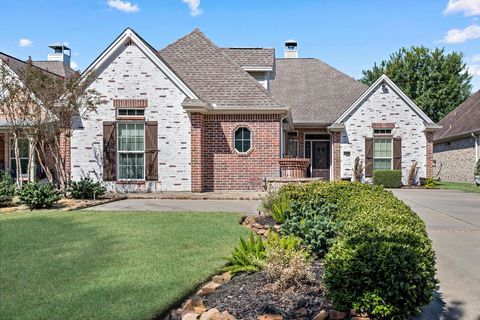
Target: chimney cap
291 41
58 45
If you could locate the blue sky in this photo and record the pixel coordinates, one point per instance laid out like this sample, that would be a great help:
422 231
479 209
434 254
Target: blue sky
349 35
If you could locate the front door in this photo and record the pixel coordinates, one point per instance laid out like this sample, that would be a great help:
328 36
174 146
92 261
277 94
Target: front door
321 159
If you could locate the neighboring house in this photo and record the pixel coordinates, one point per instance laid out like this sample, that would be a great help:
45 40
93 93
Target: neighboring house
58 64
197 117
456 144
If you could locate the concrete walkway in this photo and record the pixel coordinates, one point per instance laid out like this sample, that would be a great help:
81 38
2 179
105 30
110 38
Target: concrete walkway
241 206
453 224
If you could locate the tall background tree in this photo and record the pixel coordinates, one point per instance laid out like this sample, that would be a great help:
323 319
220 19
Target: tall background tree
437 81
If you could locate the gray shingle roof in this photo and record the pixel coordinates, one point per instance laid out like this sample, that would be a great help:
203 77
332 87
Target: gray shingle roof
17 65
462 120
213 76
55 67
315 91
251 57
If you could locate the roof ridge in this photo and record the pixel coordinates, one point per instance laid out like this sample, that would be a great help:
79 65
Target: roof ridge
196 30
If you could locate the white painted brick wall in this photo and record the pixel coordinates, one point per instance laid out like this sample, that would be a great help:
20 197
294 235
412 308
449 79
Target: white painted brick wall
131 75
384 107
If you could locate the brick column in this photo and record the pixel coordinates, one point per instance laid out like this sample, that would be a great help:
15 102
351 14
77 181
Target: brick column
65 151
429 150
197 151
336 155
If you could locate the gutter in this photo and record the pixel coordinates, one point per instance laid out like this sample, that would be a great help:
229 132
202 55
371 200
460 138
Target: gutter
476 147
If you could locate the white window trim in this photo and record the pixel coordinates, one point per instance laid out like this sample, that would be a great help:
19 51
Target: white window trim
138 152
235 140
10 157
135 116
384 158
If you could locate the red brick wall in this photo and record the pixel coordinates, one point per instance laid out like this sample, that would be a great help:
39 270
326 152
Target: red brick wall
336 160
197 151
222 168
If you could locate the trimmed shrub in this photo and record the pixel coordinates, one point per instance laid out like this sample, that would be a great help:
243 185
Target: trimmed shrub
382 261
38 196
430 183
313 222
388 178
477 169
87 189
7 189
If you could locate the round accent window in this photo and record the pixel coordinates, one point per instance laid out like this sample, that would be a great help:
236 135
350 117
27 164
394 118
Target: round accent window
242 138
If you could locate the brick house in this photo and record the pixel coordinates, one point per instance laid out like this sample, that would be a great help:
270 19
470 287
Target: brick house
197 117
456 144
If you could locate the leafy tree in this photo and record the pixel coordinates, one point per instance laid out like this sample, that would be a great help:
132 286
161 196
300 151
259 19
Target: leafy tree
437 81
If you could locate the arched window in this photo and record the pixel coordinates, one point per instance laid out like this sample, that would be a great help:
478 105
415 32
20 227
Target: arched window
243 141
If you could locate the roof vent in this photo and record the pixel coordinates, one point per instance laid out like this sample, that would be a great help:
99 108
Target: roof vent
61 53
291 49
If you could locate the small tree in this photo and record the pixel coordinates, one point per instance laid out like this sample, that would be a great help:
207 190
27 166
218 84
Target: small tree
49 104
437 81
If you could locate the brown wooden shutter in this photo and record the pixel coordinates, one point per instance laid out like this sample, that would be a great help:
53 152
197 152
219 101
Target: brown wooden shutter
397 153
151 150
109 151
368 157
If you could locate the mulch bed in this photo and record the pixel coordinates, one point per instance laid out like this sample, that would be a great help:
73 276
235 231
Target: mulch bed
247 296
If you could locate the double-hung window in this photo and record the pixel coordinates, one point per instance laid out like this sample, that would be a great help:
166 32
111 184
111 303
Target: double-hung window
131 151
382 154
23 152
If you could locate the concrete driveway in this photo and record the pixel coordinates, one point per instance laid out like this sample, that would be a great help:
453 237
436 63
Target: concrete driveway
241 206
453 224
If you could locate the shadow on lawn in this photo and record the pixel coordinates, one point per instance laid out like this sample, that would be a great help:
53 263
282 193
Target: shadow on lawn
438 309
52 266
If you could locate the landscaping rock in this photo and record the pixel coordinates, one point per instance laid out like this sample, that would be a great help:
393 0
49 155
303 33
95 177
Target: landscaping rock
207 315
322 315
218 279
337 315
190 316
227 276
208 289
270 317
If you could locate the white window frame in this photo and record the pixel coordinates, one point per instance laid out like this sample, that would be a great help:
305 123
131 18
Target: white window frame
12 157
126 115
137 152
384 158
235 139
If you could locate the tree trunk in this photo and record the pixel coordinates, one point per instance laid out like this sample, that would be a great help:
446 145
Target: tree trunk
40 151
18 164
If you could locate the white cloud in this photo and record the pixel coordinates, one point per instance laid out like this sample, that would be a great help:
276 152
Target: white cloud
459 36
124 6
73 65
194 6
474 69
24 42
475 58
468 7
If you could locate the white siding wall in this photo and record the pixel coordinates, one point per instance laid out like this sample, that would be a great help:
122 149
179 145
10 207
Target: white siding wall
384 107
132 75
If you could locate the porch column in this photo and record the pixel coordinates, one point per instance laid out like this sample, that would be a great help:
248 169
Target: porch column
197 151
31 160
429 148
336 159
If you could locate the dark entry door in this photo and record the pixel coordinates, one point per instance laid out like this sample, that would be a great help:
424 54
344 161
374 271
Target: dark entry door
321 159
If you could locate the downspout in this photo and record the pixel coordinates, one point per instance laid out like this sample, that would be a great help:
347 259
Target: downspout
476 147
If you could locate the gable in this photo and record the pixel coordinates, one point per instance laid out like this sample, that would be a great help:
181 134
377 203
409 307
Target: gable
376 88
125 39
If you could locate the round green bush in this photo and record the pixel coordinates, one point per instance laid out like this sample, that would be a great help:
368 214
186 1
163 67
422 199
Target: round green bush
86 188
38 196
7 189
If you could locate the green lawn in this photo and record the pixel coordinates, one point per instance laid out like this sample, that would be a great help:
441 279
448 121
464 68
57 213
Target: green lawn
469 187
107 265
